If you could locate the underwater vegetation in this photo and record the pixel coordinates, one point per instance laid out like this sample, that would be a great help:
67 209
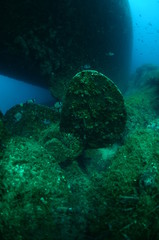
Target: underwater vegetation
61 179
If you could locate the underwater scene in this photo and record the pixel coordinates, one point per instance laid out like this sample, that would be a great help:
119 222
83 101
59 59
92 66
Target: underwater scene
79 120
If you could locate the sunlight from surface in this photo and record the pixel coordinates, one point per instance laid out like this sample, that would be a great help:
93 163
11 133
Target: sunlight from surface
145 32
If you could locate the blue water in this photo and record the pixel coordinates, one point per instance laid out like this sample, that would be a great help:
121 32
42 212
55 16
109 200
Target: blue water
145 17
15 92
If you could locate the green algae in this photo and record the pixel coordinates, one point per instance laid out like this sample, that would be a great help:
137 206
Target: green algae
93 109
52 188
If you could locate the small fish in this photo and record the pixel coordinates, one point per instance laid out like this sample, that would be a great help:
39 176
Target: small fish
150 24
32 100
86 67
110 54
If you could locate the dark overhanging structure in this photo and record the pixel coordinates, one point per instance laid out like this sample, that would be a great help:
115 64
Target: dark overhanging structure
45 42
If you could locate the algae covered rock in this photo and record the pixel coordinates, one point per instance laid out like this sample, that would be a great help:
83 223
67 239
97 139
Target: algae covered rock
3 134
130 189
34 193
146 75
29 119
61 146
93 109
39 200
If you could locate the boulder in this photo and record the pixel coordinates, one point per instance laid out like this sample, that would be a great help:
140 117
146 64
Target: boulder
93 109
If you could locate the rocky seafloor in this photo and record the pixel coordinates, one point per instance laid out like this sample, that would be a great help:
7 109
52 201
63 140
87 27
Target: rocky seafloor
54 185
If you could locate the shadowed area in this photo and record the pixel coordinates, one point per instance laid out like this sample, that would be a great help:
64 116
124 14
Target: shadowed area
47 42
